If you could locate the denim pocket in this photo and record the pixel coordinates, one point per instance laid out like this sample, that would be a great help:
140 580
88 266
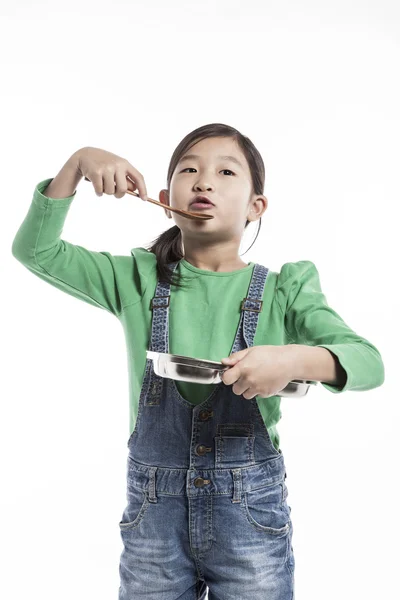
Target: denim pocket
134 512
233 451
265 510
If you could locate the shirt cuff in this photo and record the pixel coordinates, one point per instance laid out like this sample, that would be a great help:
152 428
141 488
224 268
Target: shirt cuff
341 357
43 201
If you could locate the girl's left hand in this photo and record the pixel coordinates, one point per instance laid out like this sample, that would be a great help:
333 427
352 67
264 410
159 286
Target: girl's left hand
259 370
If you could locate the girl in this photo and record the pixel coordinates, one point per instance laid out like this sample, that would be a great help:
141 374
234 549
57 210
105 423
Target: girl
207 498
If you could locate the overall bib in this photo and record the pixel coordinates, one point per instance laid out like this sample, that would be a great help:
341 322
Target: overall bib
206 492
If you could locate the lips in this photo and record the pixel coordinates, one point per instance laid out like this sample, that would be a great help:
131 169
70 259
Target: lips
201 201
201 206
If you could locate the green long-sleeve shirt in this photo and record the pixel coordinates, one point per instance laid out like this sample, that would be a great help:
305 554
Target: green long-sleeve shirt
294 309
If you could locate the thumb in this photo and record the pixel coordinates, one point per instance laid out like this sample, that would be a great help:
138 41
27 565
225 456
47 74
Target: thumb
235 356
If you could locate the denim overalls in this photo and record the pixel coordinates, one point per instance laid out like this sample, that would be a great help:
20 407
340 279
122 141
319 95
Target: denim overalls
206 492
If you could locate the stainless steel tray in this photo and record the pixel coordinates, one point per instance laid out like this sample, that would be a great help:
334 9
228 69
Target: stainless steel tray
198 370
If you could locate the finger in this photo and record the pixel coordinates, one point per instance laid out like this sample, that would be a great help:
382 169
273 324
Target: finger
121 184
139 180
132 186
229 376
98 183
235 356
229 361
109 182
240 387
249 394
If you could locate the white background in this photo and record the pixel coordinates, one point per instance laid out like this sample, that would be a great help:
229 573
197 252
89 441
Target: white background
316 88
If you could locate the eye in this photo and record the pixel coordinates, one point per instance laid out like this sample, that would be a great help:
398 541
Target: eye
195 169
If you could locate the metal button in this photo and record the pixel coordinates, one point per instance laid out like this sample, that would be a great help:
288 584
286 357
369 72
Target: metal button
199 481
204 415
201 449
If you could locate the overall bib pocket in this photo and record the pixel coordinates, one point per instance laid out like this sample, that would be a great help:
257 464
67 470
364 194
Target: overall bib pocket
231 451
138 503
234 445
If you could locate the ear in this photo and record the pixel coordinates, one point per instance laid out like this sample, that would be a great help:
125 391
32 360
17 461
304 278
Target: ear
164 198
257 207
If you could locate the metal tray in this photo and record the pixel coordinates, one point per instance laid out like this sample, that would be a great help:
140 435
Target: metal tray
197 370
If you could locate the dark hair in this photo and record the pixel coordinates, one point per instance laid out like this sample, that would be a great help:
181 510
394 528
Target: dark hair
168 245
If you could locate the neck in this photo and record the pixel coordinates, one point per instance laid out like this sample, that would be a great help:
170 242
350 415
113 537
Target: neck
216 258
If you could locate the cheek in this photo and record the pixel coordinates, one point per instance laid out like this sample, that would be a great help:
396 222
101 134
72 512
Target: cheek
179 192
236 213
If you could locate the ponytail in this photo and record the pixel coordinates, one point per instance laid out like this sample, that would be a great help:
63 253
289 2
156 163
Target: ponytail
168 249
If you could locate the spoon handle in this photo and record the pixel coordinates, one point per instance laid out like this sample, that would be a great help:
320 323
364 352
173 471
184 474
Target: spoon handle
148 199
183 213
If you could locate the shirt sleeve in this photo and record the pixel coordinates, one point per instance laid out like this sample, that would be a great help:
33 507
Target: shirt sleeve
310 320
94 277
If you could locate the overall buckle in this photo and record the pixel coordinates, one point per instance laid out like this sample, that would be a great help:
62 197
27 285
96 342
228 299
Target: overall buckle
152 305
252 300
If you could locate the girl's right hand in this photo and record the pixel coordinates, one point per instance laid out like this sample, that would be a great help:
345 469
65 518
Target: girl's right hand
109 173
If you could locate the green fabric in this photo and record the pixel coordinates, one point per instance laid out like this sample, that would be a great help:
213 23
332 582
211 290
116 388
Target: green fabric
203 318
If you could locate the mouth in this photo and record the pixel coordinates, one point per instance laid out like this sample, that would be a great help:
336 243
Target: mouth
201 206
201 202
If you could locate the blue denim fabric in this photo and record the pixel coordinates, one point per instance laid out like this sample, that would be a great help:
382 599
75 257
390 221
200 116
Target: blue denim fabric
206 494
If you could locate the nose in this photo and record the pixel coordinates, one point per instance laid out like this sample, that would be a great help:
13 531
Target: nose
204 187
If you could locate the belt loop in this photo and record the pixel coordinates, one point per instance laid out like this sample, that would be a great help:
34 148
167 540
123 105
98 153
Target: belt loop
237 485
152 484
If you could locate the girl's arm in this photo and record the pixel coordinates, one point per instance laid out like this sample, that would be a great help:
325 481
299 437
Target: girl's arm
98 278
310 321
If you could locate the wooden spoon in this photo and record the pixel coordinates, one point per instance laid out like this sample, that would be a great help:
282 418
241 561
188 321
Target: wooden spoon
179 211
184 213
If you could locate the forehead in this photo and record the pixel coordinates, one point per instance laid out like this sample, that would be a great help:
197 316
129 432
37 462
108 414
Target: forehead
216 149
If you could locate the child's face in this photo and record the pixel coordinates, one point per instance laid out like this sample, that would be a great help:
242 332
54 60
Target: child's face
227 184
